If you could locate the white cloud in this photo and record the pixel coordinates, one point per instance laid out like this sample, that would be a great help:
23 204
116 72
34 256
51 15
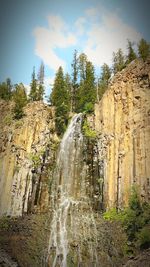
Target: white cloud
80 25
98 33
91 12
106 35
48 39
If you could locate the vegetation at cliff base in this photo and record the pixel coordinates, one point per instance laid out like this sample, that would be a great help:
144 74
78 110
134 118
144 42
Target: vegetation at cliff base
135 220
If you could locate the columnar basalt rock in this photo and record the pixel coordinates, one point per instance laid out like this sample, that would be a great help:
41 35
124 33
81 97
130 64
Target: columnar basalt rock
122 120
26 153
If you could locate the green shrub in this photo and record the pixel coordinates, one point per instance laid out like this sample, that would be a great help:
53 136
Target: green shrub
135 220
143 237
4 223
36 158
114 215
88 107
87 131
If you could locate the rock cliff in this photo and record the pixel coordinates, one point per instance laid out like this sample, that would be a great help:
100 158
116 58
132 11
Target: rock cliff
122 120
27 151
95 169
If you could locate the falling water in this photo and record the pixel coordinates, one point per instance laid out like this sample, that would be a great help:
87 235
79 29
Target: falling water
73 230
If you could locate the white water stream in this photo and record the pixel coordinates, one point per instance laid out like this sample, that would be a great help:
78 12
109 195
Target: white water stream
69 198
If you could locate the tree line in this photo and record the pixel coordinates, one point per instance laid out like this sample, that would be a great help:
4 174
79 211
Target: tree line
75 92
18 92
79 91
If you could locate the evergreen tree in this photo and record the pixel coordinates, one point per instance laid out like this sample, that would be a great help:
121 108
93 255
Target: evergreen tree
118 61
6 89
9 88
131 53
68 87
40 90
20 99
87 90
143 49
33 87
74 66
60 99
104 79
82 67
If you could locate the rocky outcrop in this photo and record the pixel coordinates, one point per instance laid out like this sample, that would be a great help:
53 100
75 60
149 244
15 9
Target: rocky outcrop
119 160
27 151
122 120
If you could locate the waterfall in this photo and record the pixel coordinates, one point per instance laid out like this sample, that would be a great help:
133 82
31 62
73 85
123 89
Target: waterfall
73 230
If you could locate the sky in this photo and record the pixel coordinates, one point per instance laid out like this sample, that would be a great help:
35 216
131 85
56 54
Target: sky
49 31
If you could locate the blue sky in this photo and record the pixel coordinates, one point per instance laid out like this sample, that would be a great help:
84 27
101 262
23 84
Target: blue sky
48 30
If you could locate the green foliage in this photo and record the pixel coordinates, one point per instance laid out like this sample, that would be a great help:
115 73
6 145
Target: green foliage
82 66
103 80
68 88
40 87
134 200
6 89
87 90
61 119
4 223
75 70
40 92
36 158
54 145
20 99
131 53
33 87
114 215
135 220
143 237
118 61
143 49
87 131
88 107
60 99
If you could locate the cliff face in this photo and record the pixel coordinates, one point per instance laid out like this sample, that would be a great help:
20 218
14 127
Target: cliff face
26 155
122 119
121 158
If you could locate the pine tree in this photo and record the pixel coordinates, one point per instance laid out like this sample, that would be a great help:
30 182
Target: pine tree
131 53
118 61
104 79
60 99
20 99
82 67
6 89
68 87
9 88
143 49
87 90
40 90
74 66
33 87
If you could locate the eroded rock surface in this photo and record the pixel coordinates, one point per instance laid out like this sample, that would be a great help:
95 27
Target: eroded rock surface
122 119
27 149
